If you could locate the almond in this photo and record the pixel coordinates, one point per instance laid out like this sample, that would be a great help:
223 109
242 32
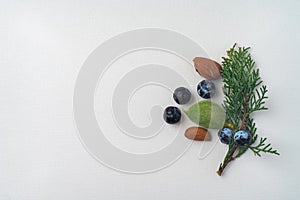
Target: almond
197 133
207 68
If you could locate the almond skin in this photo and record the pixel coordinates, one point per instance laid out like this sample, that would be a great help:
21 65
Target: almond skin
207 68
197 133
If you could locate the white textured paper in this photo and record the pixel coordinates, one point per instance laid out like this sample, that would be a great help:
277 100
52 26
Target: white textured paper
43 45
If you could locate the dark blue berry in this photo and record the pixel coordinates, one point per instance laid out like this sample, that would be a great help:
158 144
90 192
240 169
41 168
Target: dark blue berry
225 135
242 138
182 95
172 115
206 89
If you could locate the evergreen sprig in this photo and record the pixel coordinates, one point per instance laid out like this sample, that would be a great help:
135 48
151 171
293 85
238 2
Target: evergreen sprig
244 94
263 147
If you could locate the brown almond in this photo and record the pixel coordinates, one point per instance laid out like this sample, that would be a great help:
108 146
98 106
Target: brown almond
207 68
197 133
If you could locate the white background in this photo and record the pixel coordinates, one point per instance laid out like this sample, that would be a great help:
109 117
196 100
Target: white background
42 47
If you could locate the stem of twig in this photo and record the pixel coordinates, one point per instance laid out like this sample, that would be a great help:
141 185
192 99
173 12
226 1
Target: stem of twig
244 111
229 157
230 154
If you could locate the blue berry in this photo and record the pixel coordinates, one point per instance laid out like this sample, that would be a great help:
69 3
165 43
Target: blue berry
182 95
242 138
172 115
206 89
225 135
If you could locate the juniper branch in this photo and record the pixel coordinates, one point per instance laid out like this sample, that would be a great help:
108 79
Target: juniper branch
244 94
